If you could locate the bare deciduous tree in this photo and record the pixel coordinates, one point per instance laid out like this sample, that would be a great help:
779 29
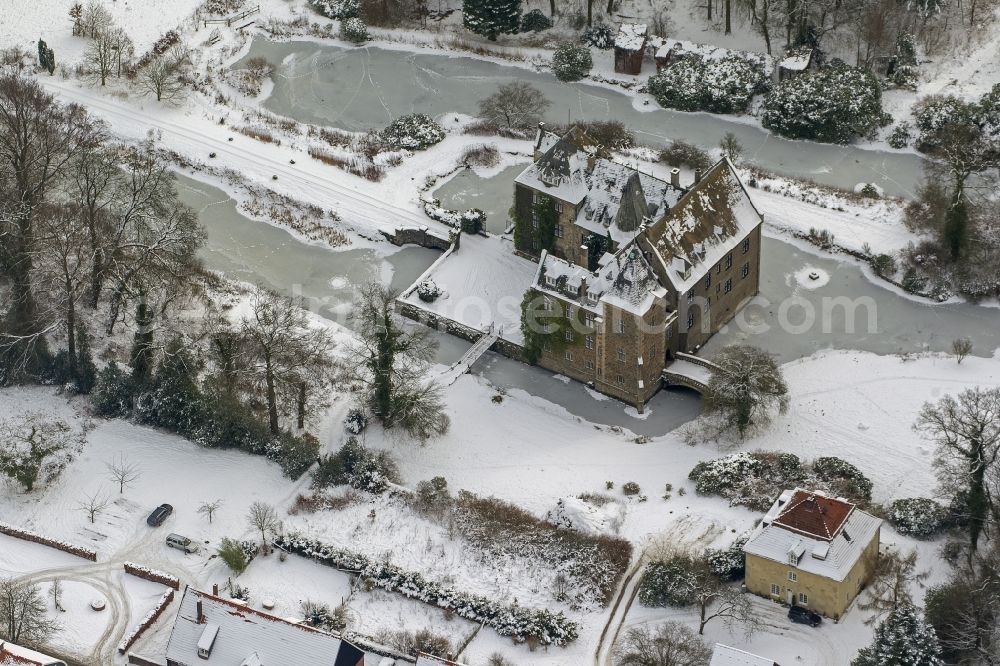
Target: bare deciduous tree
669 644
892 580
56 592
745 388
94 505
95 18
961 347
33 448
291 358
966 430
208 509
264 519
23 616
162 76
516 105
100 57
123 472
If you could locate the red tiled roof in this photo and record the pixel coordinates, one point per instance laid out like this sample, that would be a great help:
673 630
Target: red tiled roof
9 658
816 516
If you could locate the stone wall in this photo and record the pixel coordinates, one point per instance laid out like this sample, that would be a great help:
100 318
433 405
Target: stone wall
421 236
27 535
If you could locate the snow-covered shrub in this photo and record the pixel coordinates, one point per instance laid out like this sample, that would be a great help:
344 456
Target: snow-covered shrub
473 220
354 30
630 488
413 132
113 393
599 36
583 514
917 516
747 479
294 453
237 554
535 21
318 614
337 9
905 73
358 467
870 191
428 291
483 155
522 623
843 478
668 582
681 153
571 62
901 135
728 563
356 421
718 85
884 265
836 104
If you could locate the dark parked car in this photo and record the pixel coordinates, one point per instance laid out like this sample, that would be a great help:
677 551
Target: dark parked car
159 514
804 616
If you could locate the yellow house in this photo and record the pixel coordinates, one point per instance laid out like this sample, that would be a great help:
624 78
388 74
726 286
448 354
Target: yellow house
813 551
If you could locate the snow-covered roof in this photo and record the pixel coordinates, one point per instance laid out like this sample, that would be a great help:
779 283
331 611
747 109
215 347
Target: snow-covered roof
631 36
707 223
723 655
560 171
834 557
679 48
624 280
796 60
245 634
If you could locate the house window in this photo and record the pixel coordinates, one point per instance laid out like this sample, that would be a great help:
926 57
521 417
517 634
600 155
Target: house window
621 325
729 261
690 320
569 311
558 206
803 599
729 286
535 198
776 590
708 281
559 231
792 576
589 319
746 245
590 365
621 354
569 355
588 342
547 305
569 336
550 280
591 297
745 271
620 379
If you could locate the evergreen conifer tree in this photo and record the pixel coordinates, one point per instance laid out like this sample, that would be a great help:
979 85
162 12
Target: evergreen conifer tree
903 639
490 18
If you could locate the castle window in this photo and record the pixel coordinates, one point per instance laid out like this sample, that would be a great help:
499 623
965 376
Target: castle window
620 379
621 325
569 336
559 231
569 355
690 295
590 318
746 245
690 320
708 281
745 271
559 206
588 342
591 298
590 365
569 310
729 286
621 354
729 261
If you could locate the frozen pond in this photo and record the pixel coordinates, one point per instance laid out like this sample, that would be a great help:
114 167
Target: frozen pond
466 189
364 88
260 253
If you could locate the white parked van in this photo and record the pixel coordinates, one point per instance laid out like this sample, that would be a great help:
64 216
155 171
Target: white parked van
182 543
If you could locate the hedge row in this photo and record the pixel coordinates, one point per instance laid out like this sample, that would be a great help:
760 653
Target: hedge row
507 620
28 535
152 575
146 622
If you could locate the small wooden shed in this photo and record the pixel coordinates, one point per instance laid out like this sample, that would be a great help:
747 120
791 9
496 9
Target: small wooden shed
630 47
795 62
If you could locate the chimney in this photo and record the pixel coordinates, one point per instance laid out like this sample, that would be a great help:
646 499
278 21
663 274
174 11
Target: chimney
215 589
675 178
201 613
697 175
541 133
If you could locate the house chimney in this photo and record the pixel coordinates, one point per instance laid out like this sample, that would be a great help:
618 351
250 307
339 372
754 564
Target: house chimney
541 133
215 589
675 178
697 175
201 613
